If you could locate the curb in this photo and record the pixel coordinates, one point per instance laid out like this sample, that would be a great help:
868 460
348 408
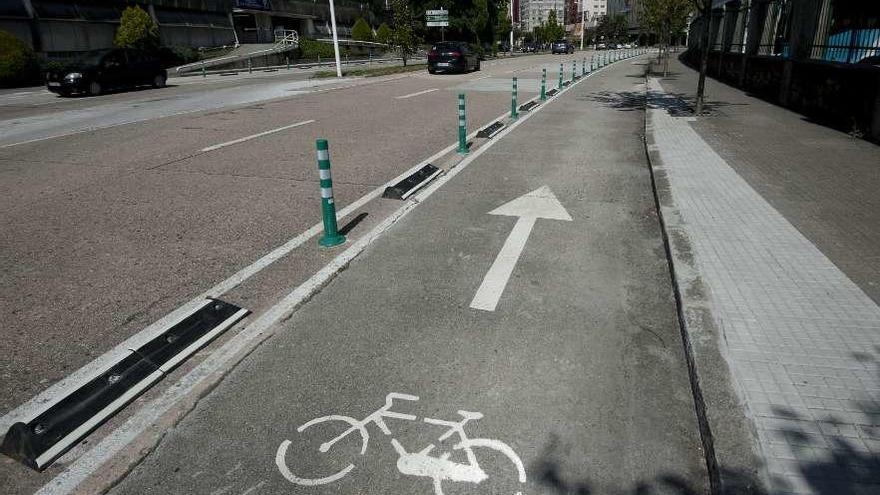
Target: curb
730 446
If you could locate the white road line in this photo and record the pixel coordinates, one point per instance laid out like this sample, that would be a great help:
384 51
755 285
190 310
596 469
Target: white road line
254 136
238 346
417 94
480 78
52 395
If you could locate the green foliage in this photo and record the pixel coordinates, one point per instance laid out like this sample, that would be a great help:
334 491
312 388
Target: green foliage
18 64
403 35
502 24
553 30
311 49
137 30
383 34
612 27
361 31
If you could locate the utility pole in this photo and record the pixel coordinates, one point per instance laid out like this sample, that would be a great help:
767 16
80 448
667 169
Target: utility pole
583 26
335 39
511 25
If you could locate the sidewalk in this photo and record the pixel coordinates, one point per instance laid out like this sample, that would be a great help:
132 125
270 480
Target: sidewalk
578 372
774 227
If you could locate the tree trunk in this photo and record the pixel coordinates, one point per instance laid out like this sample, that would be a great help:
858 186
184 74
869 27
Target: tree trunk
704 61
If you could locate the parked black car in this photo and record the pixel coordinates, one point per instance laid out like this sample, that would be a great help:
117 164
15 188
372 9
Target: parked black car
561 46
452 56
101 70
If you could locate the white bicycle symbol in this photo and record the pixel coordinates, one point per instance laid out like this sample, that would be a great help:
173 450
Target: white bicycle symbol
410 463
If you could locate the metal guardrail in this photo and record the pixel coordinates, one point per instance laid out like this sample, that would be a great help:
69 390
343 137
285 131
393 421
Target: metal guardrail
284 40
306 65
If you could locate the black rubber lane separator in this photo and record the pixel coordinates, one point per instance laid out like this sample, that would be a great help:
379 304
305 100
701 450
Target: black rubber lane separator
411 184
552 92
53 432
528 106
491 130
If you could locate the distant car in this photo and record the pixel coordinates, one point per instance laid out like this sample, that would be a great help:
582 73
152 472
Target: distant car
619 46
529 48
452 56
561 46
101 70
627 46
601 46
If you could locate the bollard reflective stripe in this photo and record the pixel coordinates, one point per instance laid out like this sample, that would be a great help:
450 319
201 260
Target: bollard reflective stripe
513 114
573 70
331 236
543 84
462 126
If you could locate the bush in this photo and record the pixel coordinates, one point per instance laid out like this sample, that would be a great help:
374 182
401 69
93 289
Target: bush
18 64
383 34
313 49
137 30
361 31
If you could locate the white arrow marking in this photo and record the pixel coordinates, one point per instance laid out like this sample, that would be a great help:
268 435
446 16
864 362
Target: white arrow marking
540 203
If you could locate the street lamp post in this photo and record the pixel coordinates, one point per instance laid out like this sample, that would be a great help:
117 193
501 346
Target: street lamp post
335 39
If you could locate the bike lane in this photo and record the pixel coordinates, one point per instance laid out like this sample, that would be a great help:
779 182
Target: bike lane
526 304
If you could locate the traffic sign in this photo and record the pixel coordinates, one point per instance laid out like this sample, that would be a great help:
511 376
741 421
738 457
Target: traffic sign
437 18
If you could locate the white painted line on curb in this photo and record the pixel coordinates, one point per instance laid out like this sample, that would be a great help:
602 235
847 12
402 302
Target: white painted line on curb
254 136
240 344
404 97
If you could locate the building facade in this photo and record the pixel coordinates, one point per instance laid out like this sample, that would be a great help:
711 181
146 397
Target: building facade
62 26
628 9
818 57
533 13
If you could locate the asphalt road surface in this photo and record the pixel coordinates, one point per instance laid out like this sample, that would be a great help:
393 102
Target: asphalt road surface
123 208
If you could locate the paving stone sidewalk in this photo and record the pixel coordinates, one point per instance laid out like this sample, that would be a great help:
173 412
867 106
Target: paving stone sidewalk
823 181
771 236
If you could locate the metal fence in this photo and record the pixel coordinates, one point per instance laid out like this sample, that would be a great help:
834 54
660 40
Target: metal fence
776 29
846 35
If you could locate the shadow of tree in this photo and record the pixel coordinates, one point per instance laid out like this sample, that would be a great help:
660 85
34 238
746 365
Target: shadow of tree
840 457
677 104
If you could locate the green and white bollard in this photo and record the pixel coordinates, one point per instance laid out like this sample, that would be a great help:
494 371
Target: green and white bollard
584 66
250 66
513 114
287 61
560 76
331 237
543 84
204 72
462 126
574 69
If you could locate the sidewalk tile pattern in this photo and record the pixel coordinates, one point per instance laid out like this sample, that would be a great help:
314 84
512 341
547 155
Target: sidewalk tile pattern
802 339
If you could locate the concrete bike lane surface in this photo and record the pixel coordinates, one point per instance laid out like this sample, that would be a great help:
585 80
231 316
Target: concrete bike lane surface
574 382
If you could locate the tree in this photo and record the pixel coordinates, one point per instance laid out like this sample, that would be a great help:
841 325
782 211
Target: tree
477 19
612 27
361 31
704 10
502 24
18 64
403 35
665 18
553 30
137 30
384 34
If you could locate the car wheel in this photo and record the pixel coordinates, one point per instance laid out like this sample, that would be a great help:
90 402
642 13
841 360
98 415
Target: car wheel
432 71
95 88
159 81
64 93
